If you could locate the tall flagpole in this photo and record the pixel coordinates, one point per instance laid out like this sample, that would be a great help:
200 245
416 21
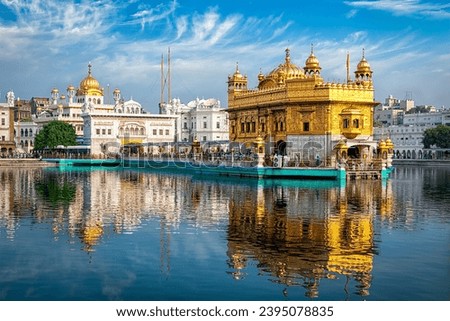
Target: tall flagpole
161 99
168 76
348 67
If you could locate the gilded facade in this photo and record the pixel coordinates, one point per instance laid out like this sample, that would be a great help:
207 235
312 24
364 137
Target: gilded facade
301 116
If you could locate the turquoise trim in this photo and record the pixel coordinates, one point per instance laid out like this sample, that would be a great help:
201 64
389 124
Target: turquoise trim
336 174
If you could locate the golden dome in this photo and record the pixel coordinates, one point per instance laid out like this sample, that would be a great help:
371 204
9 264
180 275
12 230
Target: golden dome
90 85
237 74
287 70
312 63
341 145
363 66
389 143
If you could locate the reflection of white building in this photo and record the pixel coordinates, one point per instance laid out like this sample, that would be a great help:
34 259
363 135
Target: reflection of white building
106 128
203 119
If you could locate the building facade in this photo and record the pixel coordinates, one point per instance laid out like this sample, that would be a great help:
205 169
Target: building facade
202 119
106 130
301 116
7 144
408 136
25 133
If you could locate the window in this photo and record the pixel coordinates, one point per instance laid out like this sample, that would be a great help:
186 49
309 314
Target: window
167 132
161 132
345 125
218 125
3 121
109 131
103 131
97 131
242 127
306 126
355 123
205 124
185 126
204 138
154 132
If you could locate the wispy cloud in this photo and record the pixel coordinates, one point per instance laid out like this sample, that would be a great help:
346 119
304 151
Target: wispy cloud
54 40
147 14
405 7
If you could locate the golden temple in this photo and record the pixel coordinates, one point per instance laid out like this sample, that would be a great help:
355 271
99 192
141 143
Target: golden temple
302 117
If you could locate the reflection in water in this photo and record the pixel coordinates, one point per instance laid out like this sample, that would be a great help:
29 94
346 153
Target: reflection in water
55 189
297 233
300 236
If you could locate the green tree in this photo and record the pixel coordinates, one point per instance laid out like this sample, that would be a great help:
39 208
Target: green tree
55 133
438 136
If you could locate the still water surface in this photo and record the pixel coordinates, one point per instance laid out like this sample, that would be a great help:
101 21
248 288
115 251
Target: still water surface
109 234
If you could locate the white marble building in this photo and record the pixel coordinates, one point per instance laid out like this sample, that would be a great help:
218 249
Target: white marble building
108 129
201 119
407 137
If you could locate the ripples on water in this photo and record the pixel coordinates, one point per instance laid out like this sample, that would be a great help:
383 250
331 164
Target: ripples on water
135 234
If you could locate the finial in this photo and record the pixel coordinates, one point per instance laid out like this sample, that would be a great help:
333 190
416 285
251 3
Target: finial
363 54
312 49
237 67
288 55
89 68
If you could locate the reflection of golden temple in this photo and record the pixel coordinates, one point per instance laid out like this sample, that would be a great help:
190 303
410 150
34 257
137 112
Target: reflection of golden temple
297 243
91 234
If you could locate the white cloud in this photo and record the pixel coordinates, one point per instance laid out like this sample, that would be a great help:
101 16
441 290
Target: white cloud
150 14
181 26
352 13
406 7
51 45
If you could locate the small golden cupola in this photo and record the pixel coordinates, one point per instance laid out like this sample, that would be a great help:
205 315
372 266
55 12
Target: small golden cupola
312 66
237 81
363 71
89 85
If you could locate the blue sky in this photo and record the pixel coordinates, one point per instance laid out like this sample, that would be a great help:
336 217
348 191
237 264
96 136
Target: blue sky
47 44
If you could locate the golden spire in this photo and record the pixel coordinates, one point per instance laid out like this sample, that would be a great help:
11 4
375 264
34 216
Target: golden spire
260 75
288 56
